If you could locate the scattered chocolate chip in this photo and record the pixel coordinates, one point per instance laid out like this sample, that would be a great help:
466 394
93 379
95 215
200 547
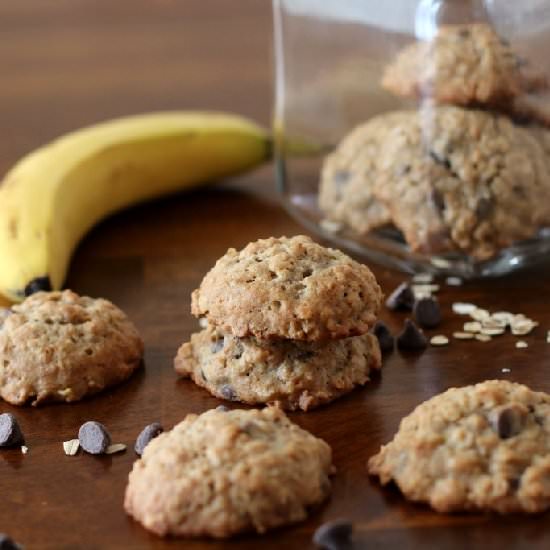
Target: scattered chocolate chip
10 432
401 298
385 337
411 337
147 434
37 285
222 408
228 392
6 543
334 535
93 437
427 312
217 345
507 421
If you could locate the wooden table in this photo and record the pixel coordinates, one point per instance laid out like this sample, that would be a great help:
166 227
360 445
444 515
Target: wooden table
64 64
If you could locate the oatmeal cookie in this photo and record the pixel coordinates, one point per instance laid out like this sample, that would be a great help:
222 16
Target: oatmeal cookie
288 288
465 180
481 447
468 65
348 177
291 374
221 473
59 346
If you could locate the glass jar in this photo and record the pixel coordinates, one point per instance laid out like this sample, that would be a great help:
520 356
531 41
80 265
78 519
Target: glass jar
417 132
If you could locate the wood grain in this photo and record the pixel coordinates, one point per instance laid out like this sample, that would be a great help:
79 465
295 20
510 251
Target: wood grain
64 64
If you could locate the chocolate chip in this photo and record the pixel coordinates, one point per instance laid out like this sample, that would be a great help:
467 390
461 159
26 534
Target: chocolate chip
438 200
334 535
147 434
401 298
222 408
6 543
38 284
484 208
304 355
507 421
411 337
93 437
217 345
427 312
385 337
10 432
228 392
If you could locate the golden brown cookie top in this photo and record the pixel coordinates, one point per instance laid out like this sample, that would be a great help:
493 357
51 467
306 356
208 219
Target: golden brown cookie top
481 447
462 65
224 472
288 288
59 346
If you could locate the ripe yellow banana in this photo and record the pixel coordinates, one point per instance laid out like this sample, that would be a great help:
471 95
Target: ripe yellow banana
54 195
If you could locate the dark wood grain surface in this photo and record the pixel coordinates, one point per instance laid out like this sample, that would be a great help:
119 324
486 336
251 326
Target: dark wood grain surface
64 64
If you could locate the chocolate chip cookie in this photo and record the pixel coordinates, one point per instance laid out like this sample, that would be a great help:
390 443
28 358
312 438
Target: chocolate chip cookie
289 373
465 180
483 447
222 473
288 288
349 175
468 65
59 346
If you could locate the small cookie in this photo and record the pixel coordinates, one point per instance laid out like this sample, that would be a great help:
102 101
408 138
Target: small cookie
468 65
290 288
482 447
59 346
349 174
291 374
463 180
222 473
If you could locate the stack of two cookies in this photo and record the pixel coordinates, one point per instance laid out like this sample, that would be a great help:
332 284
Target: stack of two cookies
466 171
286 321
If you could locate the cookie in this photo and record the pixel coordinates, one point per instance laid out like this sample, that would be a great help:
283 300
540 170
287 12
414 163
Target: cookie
348 176
291 374
463 180
59 346
222 473
484 448
288 288
468 65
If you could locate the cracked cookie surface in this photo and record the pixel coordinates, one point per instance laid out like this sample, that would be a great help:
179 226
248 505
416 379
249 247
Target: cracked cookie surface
484 447
288 288
225 472
59 346
293 375
468 65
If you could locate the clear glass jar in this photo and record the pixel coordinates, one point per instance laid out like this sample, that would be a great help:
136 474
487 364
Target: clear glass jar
417 132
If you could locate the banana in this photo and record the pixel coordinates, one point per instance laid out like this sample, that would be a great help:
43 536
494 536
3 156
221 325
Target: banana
52 197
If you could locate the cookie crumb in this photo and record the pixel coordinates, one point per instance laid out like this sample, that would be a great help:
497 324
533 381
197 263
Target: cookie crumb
115 448
439 340
71 447
520 344
463 335
24 449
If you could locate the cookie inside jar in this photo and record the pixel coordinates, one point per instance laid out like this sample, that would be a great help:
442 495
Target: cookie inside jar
443 163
